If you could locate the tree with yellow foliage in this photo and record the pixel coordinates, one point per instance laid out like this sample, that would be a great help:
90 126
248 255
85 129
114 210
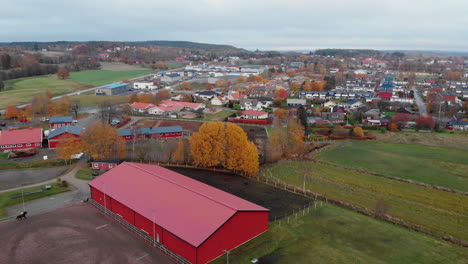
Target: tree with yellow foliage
102 141
281 113
218 144
358 132
68 146
62 107
179 155
295 87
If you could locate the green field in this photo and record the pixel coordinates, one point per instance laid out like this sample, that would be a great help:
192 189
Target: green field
101 77
6 201
219 116
21 91
442 212
330 234
84 174
94 100
432 165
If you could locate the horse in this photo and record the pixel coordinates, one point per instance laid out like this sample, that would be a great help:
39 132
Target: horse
22 215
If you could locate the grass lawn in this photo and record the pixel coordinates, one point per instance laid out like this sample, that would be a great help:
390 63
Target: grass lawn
101 77
219 116
331 234
437 166
440 211
84 174
94 100
21 91
6 201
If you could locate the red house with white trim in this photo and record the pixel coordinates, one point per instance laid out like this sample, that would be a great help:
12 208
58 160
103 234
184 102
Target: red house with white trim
193 220
104 164
60 121
20 138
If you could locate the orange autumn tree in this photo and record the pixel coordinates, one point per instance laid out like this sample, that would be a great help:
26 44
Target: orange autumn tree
281 113
63 73
218 144
11 112
102 141
68 146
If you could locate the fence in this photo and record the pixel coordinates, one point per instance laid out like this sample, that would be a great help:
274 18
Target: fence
362 210
250 121
139 232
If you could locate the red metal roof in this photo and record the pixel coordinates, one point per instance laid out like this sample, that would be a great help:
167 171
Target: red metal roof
141 105
254 112
20 136
185 207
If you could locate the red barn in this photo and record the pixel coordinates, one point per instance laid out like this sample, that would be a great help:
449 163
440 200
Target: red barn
193 220
55 136
104 164
60 121
21 138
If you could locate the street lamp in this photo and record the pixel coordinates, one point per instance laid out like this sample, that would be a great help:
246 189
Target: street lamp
154 227
227 255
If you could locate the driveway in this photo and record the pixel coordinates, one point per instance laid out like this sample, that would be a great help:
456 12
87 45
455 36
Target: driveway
420 102
87 121
16 178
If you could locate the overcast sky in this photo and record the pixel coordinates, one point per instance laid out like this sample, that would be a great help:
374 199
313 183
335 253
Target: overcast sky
250 24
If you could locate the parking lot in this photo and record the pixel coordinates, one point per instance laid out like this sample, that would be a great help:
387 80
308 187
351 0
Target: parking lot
73 234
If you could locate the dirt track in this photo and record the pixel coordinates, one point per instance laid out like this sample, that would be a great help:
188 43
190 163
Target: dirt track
74 234
279 202
15 178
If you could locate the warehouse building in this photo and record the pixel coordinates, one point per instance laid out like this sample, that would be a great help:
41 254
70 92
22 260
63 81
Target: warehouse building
112 89
193 220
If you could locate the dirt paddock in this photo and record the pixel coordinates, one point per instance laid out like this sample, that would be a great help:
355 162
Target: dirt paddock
280 202
74 234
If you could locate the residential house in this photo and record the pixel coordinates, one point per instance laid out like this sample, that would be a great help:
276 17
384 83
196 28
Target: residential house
458 125
329 104
296 102
205 95
372 114
141 107
220 100
236 96
60 121
173 107
58 135
20 138
171 77
253 114
334 117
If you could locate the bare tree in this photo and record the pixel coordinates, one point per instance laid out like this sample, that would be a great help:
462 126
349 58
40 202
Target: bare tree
75 107
381 208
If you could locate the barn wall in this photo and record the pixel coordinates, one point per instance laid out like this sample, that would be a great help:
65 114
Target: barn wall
147 225
33 145
180 247
242 227
53 142
126 213
98 196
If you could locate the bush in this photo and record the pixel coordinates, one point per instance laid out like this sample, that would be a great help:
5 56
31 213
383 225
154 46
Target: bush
64 184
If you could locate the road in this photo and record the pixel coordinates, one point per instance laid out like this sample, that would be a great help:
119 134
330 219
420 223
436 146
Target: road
420 102
79 192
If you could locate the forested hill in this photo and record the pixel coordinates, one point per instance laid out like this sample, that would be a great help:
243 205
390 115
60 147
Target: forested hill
347 52
162 43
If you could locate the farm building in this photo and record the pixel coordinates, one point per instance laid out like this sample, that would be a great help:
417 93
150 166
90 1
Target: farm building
56 135
112 89
145 85
60 121
104 164
193 220
253 114
20 138
170 107
141 107
151 132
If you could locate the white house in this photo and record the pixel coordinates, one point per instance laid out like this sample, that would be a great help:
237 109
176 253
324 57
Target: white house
144 85
220 100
